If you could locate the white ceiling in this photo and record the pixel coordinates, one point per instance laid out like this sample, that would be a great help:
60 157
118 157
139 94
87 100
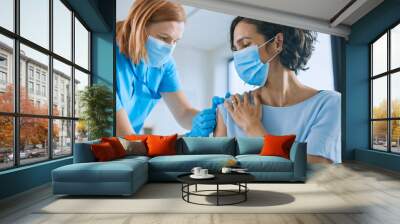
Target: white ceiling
208 23
324 9
204 29
317 15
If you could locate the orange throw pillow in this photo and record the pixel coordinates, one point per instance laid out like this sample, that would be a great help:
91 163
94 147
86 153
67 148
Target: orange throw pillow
116 145
277 145
161 145
103 151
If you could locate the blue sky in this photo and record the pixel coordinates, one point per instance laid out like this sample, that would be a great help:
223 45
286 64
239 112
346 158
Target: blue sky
35 27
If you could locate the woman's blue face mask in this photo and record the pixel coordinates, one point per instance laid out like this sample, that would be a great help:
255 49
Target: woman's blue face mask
249 66
158 52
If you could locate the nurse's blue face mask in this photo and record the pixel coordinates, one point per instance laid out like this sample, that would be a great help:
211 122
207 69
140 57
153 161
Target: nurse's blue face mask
249 66
158 52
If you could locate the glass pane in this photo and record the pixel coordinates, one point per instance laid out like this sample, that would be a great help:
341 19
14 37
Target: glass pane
395 47
34 97
62 89
62 138
81 131
395 94
379 98
62 29
6 142
379 135
33 139
6 74
81 45
81 81
7 14
379 55
35 21
395 129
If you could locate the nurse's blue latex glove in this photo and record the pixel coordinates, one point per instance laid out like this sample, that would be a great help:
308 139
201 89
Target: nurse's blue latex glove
216 100
205 121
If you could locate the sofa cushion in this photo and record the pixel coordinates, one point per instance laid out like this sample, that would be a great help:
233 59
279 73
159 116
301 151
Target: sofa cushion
277 145
249 145
257 163
103 152
185 163
116 145
159 145
120 170
134 147
206 145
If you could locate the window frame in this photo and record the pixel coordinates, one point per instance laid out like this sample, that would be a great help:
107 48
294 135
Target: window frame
388 74
16 115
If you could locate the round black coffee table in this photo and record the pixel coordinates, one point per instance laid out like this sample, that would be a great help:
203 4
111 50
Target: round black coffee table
238 179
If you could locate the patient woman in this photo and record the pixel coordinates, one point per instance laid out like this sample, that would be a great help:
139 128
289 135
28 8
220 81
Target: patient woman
269 56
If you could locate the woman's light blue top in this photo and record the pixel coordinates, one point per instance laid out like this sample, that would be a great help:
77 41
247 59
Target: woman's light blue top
139 87
316 121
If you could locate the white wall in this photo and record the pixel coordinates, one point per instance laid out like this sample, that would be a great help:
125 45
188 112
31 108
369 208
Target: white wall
219 62
320 72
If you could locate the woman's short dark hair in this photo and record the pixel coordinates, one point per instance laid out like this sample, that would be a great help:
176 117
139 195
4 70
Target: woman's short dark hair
298 44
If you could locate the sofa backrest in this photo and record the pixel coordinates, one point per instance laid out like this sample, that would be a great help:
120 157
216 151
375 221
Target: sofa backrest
206 145
249 145
83 152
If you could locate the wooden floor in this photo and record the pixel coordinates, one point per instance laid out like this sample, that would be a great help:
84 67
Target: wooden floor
378 188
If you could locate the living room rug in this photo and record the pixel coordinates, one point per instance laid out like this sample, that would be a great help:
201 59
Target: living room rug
166 198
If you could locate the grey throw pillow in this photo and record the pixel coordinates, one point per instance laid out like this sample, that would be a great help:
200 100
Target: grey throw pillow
136 148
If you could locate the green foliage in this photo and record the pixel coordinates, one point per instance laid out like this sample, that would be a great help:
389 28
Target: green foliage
96 102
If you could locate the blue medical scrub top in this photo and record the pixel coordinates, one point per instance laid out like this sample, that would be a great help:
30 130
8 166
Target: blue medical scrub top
316 120
139 87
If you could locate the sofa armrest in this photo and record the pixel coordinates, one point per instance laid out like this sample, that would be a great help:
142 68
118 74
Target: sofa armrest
83 152
298 155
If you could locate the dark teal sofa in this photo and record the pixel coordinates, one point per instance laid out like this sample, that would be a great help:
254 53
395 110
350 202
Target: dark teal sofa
125 176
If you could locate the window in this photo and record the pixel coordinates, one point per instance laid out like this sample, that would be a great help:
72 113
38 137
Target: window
385 91
34 21
7 85
3 78
3 72
38 89
81 45
30 87
62 29
62 74
40 129
38 74
44 91
7 14
30 72
3 61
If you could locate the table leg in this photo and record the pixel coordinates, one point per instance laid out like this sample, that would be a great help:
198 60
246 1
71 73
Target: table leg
245 193
188 190
217 194
195 188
